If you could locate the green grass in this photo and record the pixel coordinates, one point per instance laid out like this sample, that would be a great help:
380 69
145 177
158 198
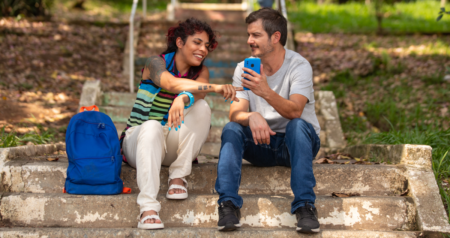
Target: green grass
418 17
41 136
438 139
126 5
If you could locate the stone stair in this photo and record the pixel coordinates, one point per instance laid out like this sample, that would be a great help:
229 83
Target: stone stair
395 199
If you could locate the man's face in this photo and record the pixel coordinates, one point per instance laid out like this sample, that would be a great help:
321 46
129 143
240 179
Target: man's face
258 39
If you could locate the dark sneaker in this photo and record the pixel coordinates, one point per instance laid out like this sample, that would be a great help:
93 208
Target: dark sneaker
307 219
229 216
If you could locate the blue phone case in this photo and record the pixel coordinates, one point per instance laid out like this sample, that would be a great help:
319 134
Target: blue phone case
253 64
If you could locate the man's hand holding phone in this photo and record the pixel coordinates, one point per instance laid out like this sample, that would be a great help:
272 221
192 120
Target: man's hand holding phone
257 83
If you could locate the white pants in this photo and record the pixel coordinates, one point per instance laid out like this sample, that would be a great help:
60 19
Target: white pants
151 145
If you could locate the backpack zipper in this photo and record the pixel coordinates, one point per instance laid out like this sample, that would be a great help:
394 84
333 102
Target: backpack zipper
104 124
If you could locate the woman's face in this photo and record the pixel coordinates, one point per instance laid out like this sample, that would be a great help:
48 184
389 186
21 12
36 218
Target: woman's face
195 49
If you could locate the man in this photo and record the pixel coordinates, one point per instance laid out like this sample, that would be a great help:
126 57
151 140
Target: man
281 127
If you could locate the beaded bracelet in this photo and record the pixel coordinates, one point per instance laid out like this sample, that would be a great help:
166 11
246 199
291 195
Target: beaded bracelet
191 98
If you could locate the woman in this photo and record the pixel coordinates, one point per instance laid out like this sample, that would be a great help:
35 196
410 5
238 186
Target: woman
170 119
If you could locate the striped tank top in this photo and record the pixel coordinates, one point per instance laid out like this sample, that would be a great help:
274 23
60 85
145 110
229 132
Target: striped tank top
153 102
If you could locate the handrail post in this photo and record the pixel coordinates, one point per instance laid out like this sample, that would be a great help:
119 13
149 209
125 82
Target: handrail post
131 42
249 7
144 9
171 10
283 9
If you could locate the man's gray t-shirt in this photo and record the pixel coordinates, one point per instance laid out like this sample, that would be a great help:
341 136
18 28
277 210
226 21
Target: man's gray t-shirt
294 77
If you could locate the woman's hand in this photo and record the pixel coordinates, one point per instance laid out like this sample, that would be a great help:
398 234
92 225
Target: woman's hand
228 92
176 112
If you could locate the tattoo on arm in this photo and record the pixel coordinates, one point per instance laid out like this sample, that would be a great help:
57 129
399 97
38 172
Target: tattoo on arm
156 66
205 87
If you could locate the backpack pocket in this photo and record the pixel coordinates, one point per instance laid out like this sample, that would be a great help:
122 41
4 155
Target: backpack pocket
93 171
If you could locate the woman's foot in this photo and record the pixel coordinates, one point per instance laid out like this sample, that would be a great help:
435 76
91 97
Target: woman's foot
177 189
152 220
176 181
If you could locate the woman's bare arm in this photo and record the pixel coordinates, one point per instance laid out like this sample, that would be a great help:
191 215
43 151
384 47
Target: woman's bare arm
155 69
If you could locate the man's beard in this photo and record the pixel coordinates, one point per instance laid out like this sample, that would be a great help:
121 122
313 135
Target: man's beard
264 51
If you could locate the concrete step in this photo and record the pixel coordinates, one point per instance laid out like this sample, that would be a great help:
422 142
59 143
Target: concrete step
212 15
226 42
211 149
238 54
214 72
121 114
161 27
368 180
222 47
64 210
148 37
195 232
116 99
219 63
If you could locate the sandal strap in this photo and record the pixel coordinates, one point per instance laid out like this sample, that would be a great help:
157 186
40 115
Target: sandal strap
156 217
184 180
174 186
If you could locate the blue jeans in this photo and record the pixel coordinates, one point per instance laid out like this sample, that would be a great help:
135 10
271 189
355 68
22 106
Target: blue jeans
296 149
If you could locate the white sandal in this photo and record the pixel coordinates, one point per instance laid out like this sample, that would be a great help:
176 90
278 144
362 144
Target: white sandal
150 226
177 195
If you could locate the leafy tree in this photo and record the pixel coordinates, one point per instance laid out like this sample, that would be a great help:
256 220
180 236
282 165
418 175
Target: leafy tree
380 6
25 7
442 11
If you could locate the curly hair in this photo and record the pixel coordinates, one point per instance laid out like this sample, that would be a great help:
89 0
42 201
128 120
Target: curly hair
189 28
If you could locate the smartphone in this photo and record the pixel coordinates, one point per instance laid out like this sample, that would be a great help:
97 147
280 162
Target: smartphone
253 64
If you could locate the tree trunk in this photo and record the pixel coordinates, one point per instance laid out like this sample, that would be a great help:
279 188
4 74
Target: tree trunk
79 4
379 17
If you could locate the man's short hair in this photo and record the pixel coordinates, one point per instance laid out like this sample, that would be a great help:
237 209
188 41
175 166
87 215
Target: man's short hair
272 21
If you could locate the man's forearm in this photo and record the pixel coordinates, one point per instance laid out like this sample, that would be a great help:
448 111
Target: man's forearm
161 77
241 117
287 108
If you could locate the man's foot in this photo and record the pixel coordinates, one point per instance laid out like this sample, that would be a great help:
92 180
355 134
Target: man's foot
229 216
307 219
151 221
176 181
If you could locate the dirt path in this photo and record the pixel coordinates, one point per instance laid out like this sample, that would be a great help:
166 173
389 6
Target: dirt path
45 63
44 66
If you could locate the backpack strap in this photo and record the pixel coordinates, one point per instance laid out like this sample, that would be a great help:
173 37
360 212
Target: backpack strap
90 108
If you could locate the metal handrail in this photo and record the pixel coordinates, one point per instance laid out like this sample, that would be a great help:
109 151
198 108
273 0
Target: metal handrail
131 38
131 42
283 9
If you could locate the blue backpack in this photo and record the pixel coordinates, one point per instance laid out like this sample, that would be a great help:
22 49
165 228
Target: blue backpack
93 149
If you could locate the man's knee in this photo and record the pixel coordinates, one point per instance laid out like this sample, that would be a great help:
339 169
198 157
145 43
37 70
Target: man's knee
296 124
232 127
